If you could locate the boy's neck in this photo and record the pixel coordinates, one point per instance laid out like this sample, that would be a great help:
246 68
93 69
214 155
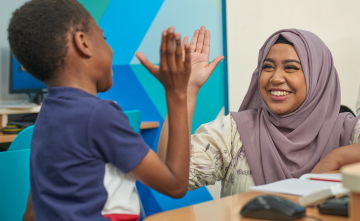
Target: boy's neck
68 80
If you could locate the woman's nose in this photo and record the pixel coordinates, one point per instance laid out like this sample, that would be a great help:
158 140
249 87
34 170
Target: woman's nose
277 78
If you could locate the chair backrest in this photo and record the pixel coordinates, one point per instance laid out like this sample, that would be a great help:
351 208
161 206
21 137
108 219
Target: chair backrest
134 117
22 140
14 184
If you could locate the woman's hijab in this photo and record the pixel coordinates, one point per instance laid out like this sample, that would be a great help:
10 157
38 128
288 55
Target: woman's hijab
313 130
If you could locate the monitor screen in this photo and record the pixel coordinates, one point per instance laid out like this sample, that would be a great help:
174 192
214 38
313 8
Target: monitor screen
21 81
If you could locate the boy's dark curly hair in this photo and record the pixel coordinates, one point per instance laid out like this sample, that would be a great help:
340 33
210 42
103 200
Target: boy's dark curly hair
38 34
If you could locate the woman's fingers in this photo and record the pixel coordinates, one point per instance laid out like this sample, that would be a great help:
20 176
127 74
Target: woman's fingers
194 40
206 47
178 52
170 51
215 62
163 60
200 41
185 41
152 68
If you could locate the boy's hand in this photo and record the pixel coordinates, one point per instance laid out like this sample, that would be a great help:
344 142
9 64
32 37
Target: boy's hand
170 176
200 50
174 71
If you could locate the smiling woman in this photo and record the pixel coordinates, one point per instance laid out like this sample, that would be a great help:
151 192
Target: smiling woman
282 81
288 123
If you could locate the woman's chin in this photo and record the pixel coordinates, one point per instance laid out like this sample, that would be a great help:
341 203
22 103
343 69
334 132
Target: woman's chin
280 111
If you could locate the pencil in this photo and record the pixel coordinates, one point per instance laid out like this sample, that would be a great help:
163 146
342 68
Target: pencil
320 179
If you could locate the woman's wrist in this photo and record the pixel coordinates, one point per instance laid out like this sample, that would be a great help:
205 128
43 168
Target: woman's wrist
192 91
335 156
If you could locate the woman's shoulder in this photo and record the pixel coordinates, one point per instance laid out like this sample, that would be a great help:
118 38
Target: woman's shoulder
356 133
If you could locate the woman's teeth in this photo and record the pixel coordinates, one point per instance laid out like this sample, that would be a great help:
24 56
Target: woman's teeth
279 93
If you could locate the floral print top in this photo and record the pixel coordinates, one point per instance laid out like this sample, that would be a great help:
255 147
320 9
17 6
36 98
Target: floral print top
217 153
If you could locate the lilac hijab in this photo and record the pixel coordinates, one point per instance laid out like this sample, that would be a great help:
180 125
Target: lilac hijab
313 130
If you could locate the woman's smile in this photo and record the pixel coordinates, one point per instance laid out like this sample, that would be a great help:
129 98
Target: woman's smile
278 94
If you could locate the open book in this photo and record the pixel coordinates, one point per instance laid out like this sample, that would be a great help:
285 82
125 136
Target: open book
311 191
298 187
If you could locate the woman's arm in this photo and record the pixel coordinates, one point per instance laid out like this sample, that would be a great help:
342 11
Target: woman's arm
337 158
200 73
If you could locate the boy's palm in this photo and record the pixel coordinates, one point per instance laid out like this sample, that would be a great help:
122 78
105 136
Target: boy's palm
175 67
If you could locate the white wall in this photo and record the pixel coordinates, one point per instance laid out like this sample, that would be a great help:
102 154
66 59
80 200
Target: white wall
7 7
251 22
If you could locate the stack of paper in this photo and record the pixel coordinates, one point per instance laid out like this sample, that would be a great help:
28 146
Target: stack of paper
311 191
299 187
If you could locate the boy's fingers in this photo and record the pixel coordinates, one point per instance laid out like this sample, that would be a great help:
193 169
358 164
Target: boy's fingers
170 51
185 41
163 60
200 41
152 68
206 47
215 62
187 63
178 51
194 40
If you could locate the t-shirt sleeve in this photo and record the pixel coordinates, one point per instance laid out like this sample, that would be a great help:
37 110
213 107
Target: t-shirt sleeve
111 137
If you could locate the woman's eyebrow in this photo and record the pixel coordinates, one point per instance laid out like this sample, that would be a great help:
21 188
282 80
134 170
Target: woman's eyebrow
290 60
269 60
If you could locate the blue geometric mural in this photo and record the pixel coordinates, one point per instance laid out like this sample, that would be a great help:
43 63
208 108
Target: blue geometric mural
132 26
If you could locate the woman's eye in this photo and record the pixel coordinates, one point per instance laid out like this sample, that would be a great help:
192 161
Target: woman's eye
292 67
266 66
105 38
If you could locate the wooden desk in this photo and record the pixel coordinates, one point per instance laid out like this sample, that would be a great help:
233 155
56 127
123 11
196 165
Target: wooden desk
149 125
228 209
4 112
8 138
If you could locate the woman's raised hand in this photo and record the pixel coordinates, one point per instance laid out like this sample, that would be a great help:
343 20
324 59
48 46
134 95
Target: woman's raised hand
175 67
200 50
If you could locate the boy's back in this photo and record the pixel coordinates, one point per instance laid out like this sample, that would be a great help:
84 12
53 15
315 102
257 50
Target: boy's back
76 137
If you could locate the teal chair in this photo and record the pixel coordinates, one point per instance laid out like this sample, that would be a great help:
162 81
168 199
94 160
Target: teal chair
134 117
22 140
14 184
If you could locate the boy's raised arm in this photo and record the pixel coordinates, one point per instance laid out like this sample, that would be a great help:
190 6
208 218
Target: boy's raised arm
170 178
201 71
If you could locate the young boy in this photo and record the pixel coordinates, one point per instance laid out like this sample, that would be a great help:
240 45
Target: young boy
85 157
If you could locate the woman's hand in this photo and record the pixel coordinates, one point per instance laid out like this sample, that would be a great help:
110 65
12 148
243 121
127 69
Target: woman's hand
338 158
200 67
327 164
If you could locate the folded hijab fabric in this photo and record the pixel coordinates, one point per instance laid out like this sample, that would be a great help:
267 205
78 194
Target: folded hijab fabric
313 130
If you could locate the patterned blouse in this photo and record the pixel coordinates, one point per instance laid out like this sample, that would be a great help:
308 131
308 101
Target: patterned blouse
217 153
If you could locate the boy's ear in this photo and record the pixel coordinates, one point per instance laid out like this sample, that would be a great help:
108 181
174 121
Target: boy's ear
82 44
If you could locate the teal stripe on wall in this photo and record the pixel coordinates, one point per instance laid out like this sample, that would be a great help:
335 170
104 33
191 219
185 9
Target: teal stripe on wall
96 8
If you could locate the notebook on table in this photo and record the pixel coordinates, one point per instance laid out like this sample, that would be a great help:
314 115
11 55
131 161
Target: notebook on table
298 187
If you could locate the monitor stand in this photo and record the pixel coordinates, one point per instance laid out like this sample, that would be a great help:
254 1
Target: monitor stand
37 98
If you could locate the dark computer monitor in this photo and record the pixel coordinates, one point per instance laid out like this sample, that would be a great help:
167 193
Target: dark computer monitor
23 82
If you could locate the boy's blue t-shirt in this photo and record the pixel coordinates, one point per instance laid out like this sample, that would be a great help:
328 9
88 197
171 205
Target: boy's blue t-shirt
81 150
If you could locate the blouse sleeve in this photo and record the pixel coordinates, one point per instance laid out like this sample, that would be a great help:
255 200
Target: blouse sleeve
356 133
210 152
